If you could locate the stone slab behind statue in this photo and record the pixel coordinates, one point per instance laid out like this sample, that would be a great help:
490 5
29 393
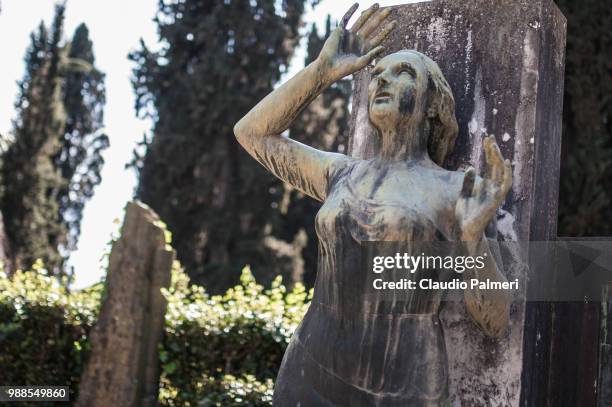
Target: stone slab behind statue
504 60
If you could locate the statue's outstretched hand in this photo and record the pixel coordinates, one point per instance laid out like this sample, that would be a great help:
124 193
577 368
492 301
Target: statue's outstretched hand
478 201
347 51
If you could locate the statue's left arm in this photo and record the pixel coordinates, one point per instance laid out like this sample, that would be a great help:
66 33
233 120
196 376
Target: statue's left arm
475 208
345 52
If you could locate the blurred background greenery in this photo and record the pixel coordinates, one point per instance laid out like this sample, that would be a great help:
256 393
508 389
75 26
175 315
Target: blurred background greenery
218 350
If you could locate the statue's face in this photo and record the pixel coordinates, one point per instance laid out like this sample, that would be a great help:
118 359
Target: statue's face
397 90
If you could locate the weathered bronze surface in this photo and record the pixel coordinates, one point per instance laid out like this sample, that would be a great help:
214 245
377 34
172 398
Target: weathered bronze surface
349 351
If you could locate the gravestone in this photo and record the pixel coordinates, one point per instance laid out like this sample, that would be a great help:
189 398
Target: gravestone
504 61
123 368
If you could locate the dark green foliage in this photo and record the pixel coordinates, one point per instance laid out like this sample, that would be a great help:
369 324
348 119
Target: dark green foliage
585 197
51 167
244 332
31 182
219 59
80 160
231 391
43 330
218 350
34 59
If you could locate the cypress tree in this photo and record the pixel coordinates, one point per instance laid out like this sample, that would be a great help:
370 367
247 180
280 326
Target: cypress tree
80 159
31 182
53 161
219 59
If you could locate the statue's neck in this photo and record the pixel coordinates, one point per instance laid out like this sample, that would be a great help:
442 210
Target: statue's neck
403 143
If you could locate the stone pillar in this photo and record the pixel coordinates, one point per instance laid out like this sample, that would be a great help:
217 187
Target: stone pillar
123 368
504 60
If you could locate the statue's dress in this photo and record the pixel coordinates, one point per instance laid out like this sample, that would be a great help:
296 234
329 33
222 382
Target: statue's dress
352 348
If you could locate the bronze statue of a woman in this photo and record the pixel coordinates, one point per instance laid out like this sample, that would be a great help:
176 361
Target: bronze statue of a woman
350 351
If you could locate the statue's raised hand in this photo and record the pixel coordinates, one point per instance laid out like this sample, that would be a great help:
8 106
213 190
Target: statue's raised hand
478 201
347 51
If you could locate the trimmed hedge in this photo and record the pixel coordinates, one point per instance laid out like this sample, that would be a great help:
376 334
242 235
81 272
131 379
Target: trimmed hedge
217 350
44 329
244 332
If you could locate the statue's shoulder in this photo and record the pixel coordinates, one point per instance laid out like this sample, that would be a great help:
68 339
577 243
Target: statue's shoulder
340 166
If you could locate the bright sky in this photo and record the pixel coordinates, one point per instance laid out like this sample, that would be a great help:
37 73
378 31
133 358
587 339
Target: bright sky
115 28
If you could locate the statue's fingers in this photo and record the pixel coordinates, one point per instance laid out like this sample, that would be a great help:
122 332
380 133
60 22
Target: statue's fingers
486 146
498 168
507 183
374 22
347 16
334 39
364 17
467 190
383 34
495 161
369 57
495 192
483 190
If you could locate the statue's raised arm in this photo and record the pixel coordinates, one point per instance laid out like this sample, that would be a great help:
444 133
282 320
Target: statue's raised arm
259 131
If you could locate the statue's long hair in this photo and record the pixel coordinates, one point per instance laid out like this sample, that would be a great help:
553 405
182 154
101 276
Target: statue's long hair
440 112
